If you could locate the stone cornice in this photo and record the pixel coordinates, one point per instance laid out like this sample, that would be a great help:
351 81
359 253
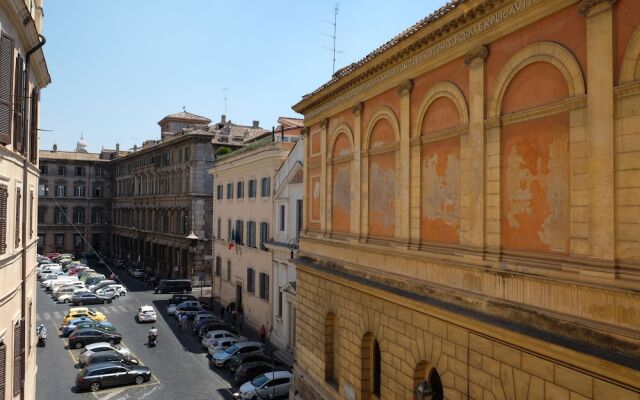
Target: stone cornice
586 5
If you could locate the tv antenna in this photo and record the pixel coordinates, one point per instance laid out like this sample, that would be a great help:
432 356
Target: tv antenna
226 92
334 35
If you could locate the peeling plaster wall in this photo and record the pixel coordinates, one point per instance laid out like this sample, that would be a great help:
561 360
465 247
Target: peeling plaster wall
382 183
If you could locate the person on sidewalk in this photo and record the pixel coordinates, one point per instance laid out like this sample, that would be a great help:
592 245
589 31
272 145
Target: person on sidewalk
263 334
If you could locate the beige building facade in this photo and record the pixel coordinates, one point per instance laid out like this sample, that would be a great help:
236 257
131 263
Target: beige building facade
243 224
23 72
471 210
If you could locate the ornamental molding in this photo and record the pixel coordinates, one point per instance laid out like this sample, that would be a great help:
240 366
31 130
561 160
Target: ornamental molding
480 52
586 5
405 87
324 122
357 109
467 25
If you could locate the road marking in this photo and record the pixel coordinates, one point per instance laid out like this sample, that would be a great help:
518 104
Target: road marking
111 393
47 316
57 315
38 317
113 309
122 308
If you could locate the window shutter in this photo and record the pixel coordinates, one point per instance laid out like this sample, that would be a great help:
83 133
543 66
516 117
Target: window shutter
18 357
33 141
31 199
18 105
6 86
3 369
18 200
4 194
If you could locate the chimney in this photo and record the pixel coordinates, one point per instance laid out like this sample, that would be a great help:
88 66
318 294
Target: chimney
223 119
117 147
55 147
256 124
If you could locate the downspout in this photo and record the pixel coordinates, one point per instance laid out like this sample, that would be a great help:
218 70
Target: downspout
25 192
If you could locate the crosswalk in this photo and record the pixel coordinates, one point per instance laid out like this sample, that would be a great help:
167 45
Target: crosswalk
110 309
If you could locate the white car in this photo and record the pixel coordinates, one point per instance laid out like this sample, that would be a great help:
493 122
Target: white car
212 336
221 344
68 297
71 289
146 314
93 348
66 286
115 290
269 384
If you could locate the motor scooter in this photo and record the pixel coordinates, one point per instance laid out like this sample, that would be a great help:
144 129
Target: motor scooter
41 331
153 339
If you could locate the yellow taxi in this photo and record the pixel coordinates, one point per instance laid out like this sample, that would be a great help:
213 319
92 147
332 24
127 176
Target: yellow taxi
77 312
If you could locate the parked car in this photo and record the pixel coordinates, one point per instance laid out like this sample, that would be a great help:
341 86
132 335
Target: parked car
171 309
221 344
110 356
114 291
68 289
80 299
138 273
212 336
250 370
98 376
101 284
240 359
92 280
203 322
173 285
83 336
190 309
220 357
77 312
68 297
93 348
267 385
85 322
204 316
181 298
146 314
215 326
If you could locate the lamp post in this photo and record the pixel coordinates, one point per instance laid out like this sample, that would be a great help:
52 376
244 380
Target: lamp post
193 248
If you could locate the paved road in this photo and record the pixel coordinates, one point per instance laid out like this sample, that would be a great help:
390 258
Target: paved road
178 364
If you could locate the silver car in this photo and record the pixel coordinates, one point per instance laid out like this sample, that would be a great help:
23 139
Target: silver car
222 356
268 385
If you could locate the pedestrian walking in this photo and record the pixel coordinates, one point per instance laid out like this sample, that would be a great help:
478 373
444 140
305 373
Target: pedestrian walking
263 334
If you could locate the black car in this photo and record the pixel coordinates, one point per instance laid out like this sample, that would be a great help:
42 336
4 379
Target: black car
256 356
98 376
173 286
84 336
249 370
179 298
90 298
110 356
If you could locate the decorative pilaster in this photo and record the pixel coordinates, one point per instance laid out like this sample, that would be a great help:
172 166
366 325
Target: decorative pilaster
306 204
355 171
473 152
403 192
324 128
600 128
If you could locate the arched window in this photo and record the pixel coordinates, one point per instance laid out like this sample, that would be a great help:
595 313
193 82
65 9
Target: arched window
341 184
371 367
376 369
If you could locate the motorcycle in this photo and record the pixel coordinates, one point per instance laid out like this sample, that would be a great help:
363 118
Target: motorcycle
153 339
41 331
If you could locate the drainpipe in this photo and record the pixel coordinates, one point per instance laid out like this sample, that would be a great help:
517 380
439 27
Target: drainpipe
25 193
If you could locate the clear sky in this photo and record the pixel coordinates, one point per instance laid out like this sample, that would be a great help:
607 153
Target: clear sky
119 66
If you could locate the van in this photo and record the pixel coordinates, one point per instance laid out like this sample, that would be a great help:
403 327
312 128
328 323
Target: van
49 269
173 286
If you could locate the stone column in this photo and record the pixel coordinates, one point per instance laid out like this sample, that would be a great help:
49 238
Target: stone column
324 125
403 192
600 128
473 154
355 170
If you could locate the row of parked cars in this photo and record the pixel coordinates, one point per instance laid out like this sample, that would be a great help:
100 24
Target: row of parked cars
102 359
257 372
70 281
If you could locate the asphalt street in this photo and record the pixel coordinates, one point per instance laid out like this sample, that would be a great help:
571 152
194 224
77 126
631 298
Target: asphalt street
179 365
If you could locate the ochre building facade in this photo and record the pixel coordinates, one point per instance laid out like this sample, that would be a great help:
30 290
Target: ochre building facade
472 211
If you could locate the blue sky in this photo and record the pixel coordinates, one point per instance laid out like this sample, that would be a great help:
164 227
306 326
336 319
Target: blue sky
119 66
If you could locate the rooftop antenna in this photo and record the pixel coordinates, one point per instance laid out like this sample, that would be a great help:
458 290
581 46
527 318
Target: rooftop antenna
333 36
226 92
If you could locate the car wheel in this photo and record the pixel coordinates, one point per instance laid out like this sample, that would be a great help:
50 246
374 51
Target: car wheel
106 301
112 342
139 379
79 345
80 303
116 296
184 291
95 386
123 294
67 301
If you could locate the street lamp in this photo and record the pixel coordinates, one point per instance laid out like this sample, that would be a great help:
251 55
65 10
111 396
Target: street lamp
193 244
423 391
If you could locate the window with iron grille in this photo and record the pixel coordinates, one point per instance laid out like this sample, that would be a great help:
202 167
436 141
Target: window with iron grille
229 190
264 235
264 286
240 190
251 276
4 194
18 227
251 233
265 187
218 265
219 192
252 188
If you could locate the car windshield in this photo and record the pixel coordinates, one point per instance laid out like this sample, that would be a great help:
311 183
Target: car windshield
231 349
259 381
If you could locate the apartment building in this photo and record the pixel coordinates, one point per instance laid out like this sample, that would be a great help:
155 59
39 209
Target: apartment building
23 73
75 200
243 225
472 191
